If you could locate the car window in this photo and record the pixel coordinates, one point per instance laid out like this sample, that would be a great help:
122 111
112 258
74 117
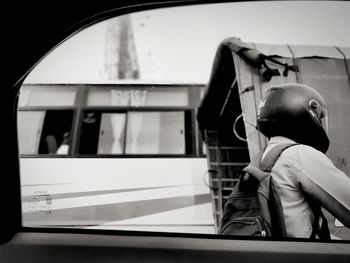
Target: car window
122 126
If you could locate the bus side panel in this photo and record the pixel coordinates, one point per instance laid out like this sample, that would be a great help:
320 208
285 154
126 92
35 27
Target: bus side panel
125 193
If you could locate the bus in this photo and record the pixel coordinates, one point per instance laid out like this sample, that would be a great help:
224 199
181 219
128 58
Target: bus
124 156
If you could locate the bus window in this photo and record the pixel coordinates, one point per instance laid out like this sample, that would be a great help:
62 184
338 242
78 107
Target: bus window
89 135
45 132
55 135
47 95
29 130
136 133
112 133
155 133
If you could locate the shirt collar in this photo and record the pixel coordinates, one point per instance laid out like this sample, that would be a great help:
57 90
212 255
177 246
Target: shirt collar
280 139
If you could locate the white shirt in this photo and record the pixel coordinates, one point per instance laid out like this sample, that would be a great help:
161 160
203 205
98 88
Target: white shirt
302 170
63 149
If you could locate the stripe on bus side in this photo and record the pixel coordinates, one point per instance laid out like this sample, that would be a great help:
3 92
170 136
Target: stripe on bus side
28 198
100 214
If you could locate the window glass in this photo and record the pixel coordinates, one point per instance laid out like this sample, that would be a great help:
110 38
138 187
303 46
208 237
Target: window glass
47 96
159 97
138 97
121 102
29 131
56 132
90 130
98 97
155 133
112 133
45 132
134 133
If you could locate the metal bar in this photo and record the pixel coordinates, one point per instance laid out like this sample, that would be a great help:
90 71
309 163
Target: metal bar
77 120
219 175
228 96
227 164
228 148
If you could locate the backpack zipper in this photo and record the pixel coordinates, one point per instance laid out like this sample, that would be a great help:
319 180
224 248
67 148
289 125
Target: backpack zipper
263 232
240 220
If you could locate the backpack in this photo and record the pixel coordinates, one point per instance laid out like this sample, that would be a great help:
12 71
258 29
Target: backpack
254 207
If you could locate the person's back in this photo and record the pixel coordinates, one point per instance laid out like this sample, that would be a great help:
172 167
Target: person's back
304 177
301 175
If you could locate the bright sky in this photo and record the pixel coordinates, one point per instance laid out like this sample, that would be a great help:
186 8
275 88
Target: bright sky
178 44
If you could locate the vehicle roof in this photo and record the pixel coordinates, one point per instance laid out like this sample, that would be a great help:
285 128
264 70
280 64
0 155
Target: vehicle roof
254 54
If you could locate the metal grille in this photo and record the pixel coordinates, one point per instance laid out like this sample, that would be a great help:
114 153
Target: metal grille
225 163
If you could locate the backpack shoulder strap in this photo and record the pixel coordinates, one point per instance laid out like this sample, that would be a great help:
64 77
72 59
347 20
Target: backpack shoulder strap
321 231
271 157
260 169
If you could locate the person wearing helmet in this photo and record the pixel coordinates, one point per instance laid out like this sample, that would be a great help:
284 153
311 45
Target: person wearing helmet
304 177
